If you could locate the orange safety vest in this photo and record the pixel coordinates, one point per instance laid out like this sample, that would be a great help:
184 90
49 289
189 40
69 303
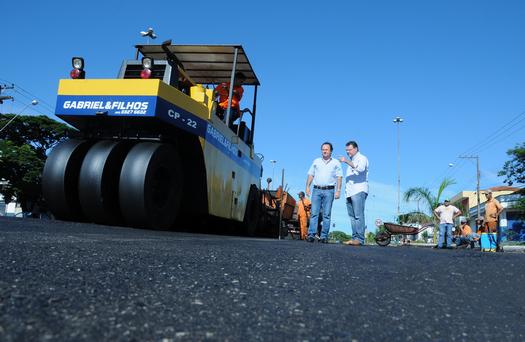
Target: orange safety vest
223 91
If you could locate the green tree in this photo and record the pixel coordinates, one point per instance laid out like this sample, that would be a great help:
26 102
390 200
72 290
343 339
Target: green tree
414 217
21 168
40 132
514 172
23 147
514 169
339 236
430 200
370 237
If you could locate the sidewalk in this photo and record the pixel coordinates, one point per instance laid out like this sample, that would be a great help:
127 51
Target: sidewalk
506 248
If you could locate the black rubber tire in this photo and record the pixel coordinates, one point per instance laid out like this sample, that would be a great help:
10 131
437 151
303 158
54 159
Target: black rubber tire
150 186
253 211
383 239
98 183
60 179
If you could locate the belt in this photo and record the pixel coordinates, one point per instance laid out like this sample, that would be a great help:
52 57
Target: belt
328 187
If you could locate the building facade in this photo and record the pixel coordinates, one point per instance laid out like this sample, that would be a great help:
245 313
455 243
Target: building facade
512 226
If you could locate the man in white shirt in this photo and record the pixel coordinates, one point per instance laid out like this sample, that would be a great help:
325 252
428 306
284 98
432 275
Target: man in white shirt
326 175
446 214
356 191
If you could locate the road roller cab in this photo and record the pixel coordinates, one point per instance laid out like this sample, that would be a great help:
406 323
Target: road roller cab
151 147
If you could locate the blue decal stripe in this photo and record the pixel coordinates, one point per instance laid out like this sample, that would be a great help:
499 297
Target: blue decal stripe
224 145
154 106
181 118
113 105
189 122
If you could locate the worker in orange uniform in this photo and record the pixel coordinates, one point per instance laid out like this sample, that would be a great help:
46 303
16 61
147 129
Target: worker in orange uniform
223 91
492 211
465 237
303 214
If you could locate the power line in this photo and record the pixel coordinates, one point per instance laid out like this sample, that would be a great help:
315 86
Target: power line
34 109
502 130
34 103
32 96
491 140
477 176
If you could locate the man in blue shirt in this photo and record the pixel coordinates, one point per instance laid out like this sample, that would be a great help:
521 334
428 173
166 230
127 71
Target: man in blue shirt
356 191
326 175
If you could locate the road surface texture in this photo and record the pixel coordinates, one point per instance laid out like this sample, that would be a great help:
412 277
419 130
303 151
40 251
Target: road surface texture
65 281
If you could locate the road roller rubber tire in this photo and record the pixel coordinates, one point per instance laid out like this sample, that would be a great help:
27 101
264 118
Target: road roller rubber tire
253 211
98 183
60 179
150 186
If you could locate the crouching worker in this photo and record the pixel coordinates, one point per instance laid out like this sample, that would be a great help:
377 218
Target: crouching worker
465 235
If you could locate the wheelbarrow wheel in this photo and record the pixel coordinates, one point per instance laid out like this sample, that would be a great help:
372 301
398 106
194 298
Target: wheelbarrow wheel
383 239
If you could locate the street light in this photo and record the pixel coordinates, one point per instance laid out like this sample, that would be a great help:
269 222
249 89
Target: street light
273 168
397 121
34 103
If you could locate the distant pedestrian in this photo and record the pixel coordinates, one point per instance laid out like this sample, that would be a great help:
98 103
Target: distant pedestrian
446 214
326 175
304 207
356 191
492 211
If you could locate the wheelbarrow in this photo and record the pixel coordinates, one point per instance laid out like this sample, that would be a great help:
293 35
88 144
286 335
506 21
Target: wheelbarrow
383 238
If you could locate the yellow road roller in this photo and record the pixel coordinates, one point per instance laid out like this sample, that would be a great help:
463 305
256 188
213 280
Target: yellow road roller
153 145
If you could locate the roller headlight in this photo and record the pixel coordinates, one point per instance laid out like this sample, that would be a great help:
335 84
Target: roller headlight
78 68
78 63
147 62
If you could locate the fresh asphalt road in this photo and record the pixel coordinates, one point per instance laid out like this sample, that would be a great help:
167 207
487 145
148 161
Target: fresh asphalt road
68 281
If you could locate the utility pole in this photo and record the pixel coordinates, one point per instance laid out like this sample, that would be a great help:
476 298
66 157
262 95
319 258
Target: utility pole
477 176
281 204
398 121
5 97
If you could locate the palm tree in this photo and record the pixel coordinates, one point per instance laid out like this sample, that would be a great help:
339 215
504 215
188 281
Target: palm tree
430 200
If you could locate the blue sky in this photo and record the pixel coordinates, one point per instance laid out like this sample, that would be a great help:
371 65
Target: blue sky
332 70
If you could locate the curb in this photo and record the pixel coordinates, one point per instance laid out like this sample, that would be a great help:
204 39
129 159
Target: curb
506 248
